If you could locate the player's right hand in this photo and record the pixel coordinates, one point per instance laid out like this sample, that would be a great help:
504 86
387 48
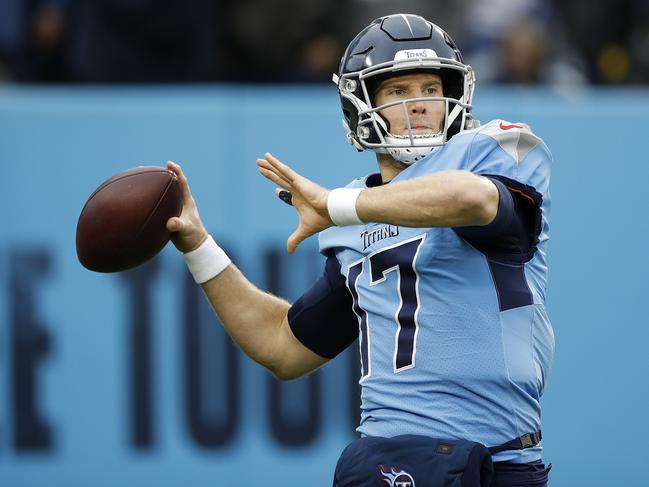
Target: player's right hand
187 230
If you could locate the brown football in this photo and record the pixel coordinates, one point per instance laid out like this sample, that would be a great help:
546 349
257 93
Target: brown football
122 225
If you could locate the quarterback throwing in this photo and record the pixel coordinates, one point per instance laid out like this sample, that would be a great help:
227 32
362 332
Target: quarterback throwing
436 263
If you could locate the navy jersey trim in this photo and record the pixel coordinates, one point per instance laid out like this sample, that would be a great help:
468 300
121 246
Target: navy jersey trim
511 285
374 180
513 236
322 319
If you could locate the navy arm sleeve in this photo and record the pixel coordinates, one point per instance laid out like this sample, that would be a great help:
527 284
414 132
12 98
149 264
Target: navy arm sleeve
513 235
322 319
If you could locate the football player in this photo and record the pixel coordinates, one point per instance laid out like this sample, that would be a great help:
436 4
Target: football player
436 263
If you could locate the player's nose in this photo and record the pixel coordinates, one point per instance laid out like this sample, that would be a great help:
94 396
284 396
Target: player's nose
417 107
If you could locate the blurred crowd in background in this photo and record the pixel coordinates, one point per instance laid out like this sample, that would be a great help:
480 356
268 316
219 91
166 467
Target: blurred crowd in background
556 42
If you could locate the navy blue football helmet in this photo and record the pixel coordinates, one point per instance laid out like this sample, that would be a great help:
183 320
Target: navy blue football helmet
392 45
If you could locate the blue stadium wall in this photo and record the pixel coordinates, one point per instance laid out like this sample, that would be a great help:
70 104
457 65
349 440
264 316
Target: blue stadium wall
127 379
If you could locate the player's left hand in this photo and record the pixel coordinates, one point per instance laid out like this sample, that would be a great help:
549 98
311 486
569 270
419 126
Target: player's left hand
308 198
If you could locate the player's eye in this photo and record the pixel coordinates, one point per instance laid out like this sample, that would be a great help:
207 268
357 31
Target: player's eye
433 90
396 91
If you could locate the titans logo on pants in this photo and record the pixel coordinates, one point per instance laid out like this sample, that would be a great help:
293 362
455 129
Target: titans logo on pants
395 477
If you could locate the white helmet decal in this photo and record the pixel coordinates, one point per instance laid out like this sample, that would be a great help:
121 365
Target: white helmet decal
410 54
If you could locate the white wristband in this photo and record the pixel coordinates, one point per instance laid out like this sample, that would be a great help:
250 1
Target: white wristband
341 204
207 261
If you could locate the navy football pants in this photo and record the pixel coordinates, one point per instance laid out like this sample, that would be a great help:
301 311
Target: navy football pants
520 474
409 460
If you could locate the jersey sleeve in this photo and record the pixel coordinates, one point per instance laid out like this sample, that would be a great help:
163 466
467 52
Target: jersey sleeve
322 319
518 163
513 235
510 150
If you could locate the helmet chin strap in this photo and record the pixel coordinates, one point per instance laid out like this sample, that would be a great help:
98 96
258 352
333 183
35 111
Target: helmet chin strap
453 115
408 154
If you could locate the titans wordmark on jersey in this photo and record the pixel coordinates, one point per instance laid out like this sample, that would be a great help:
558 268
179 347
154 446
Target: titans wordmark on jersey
454 337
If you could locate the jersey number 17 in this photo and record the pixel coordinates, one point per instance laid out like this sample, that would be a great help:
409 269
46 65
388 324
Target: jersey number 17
399 258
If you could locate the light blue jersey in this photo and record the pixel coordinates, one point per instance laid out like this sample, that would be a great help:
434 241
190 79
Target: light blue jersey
454 344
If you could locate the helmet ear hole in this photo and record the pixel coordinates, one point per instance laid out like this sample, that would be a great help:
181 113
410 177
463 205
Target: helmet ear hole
350 114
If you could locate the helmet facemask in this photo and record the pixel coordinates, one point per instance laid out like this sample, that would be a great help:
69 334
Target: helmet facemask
369 130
